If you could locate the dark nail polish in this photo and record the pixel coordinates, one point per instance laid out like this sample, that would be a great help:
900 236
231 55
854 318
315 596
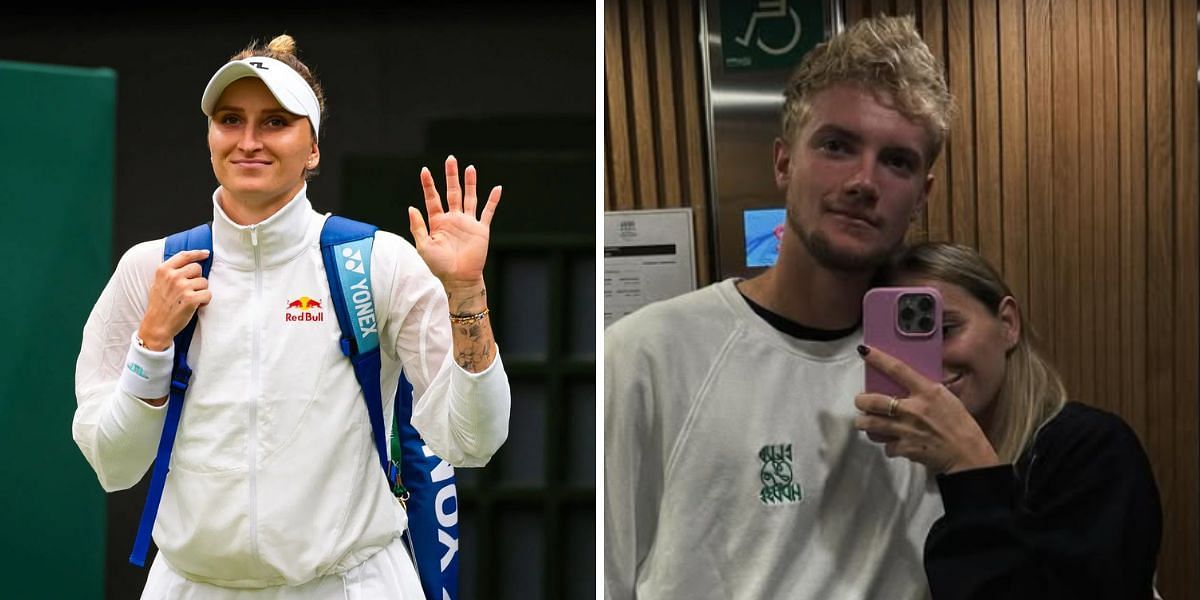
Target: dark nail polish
863 350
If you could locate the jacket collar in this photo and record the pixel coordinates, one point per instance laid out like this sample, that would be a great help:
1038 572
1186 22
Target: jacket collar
278 239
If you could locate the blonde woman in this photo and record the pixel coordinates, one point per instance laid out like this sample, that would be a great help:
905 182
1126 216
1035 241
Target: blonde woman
275 489
1044 498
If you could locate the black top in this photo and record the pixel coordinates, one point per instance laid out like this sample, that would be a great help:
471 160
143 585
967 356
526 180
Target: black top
797 330
1078 517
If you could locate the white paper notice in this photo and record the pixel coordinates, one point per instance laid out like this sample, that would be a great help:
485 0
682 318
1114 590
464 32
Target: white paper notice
648 257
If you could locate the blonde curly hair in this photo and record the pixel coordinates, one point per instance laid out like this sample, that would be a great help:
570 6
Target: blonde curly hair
887 56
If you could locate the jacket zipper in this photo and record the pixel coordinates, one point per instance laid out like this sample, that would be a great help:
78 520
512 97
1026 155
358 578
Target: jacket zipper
255 385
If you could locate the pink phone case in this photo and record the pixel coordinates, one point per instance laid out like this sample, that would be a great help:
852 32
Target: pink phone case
882 330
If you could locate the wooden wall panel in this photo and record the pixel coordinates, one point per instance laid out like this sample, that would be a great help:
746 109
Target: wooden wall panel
1071 165
641 119
1014 196
664 101
655 125
960 148
1065 136
1106 246
1160 390
1160 295
1098 139
1136 278
695 173
1182 549
937 207
618 167
1085 369
986 72
1041 173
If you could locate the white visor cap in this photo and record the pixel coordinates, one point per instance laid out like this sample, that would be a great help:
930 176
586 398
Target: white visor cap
288 87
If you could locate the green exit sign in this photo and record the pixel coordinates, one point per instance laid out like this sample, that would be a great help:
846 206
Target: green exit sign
769 34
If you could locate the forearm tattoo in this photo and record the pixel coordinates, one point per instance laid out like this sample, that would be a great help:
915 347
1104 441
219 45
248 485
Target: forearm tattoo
474 343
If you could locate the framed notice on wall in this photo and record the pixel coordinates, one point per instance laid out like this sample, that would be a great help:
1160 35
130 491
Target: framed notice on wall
648 256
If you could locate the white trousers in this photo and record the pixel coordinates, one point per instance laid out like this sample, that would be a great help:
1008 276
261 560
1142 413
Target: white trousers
388 575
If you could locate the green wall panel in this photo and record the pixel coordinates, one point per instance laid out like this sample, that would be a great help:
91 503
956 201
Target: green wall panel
56 195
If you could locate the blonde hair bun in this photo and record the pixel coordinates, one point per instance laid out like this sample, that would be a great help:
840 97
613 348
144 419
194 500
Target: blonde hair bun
283 44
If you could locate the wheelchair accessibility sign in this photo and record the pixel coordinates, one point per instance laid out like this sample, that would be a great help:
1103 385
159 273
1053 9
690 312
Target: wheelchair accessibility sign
769 34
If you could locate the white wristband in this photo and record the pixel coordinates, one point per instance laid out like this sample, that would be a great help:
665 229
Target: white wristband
147 374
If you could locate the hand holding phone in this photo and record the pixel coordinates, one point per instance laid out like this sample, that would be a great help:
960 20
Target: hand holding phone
905 322
922 420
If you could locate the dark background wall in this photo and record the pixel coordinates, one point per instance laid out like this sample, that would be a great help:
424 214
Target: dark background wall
401 83
388 74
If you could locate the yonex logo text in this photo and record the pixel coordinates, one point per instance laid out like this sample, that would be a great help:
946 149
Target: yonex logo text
446 517
364 308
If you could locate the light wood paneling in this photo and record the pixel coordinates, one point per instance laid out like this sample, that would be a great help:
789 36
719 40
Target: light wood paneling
618 166
1160 395
1065 135
654 126
1014 169
642 119
961 145
664 100
1085 371
986 72
1181 546
1041 173
937 207
1107 247
1097 142
695 174
1083 190
1135 253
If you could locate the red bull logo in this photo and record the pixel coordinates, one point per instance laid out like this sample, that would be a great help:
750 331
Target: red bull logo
306 306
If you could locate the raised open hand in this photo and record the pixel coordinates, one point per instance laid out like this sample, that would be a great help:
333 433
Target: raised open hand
456 242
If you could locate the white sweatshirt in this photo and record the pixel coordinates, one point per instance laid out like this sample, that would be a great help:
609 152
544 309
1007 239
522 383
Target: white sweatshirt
732 469
274 476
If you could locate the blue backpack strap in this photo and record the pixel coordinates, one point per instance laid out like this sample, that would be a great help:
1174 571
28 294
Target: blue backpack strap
432 502
432 505
196 238
346 250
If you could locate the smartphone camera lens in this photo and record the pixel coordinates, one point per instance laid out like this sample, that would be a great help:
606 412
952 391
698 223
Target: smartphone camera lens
925 324
916 313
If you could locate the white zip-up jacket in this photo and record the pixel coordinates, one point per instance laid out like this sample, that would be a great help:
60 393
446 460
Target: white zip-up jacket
274 476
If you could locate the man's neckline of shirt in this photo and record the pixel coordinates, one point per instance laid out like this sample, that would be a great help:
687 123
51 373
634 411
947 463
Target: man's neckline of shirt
798 330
